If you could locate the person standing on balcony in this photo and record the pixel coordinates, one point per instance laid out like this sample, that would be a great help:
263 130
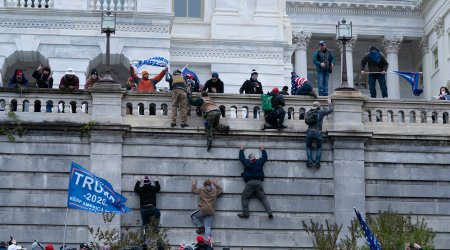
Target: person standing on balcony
147 194
323 58
146 84
92 79
43 77
252 86
69 81
275 118
212 114
253 176
18 80
378 66
178 86
444 94
314 132
214 85
203 216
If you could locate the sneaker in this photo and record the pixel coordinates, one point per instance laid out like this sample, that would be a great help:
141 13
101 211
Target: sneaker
173 124
313 94
200 230
280 127
270 216
184 125
243 215
309 164
317 165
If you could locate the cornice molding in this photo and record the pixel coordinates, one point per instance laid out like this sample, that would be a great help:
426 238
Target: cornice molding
77 25
224 53
353 8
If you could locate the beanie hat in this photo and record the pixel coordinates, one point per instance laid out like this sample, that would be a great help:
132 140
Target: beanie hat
177 72
49 247
19 72
146 180
144 72
253 72
275 90
215 74
200 239
94 72
84 245
316 104
285 88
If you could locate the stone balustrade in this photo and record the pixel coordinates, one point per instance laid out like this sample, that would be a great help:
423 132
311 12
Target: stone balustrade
121 5
29 4
242 111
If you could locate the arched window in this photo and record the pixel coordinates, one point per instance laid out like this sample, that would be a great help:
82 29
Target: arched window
84 107
164 109
152 109
367 116
445 118
129 108
412 117
49 106
379 115
301 113
61 106
256 112
25 106
244 112
73 106
401 116
291 113
37 106
13 105
2 105
141 108
222 110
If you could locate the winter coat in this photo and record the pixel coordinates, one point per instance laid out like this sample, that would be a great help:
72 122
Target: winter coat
253 170
43 81
147 193
373 66
210 84
251 87
207 198
67 83
326 57
90 82
322 113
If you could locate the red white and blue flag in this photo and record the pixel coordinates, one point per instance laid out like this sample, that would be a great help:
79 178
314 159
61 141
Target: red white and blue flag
370 237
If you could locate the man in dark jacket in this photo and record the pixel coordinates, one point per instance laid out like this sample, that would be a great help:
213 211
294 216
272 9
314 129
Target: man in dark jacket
214 85
252 86
378 66
314 133
69 81
324 60
147 195
18 80
253 176
275 119
43 77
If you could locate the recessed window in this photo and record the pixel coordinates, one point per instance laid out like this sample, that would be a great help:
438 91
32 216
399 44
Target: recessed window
436 58
188 8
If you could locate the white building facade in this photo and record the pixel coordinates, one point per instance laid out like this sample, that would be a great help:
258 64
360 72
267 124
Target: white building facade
229 37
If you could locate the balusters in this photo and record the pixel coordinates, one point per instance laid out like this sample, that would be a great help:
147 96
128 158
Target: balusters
104 5
132 4
48 3
97 5
125 5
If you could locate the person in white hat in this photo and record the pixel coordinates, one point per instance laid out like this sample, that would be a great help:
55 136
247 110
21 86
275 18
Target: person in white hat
69 81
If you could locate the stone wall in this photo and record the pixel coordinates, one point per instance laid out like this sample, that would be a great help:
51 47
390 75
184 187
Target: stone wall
374 158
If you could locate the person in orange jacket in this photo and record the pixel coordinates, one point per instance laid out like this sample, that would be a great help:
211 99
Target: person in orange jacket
146 84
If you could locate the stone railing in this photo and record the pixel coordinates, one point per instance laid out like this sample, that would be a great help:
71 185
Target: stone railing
28 3
240 111
120 5
406 115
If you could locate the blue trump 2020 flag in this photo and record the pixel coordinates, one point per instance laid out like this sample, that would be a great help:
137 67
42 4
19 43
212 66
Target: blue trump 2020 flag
158 61
92 193
187 71
371 239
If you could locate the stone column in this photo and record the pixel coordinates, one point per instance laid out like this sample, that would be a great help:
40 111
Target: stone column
106 143
348 158
426 68
392 45
301 40
349 56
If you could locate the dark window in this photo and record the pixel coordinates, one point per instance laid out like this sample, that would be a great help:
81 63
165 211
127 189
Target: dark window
188 8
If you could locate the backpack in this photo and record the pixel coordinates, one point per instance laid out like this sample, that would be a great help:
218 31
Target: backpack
312 116
266 101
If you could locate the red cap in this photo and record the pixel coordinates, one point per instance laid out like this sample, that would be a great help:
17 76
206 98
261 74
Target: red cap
49 247
200 239
19 72
275 90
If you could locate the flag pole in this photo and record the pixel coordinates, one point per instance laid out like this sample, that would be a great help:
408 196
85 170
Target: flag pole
184 67
65 229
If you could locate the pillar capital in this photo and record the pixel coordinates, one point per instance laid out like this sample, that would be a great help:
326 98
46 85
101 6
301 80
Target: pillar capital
439 26
392 42
301 39
423 44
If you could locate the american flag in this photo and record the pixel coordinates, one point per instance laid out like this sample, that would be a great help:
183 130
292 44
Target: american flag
371 239
413 79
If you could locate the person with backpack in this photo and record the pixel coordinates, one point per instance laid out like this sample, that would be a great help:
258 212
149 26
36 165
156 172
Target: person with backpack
272 105
314 118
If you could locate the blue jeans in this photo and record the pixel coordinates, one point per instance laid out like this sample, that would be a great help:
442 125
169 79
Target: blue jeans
305 89
311 136
148 213
382 81
200 219
322 82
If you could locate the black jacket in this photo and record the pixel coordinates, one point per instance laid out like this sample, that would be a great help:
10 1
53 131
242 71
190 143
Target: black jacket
277 100
147 193
209 85
43 81
251 87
